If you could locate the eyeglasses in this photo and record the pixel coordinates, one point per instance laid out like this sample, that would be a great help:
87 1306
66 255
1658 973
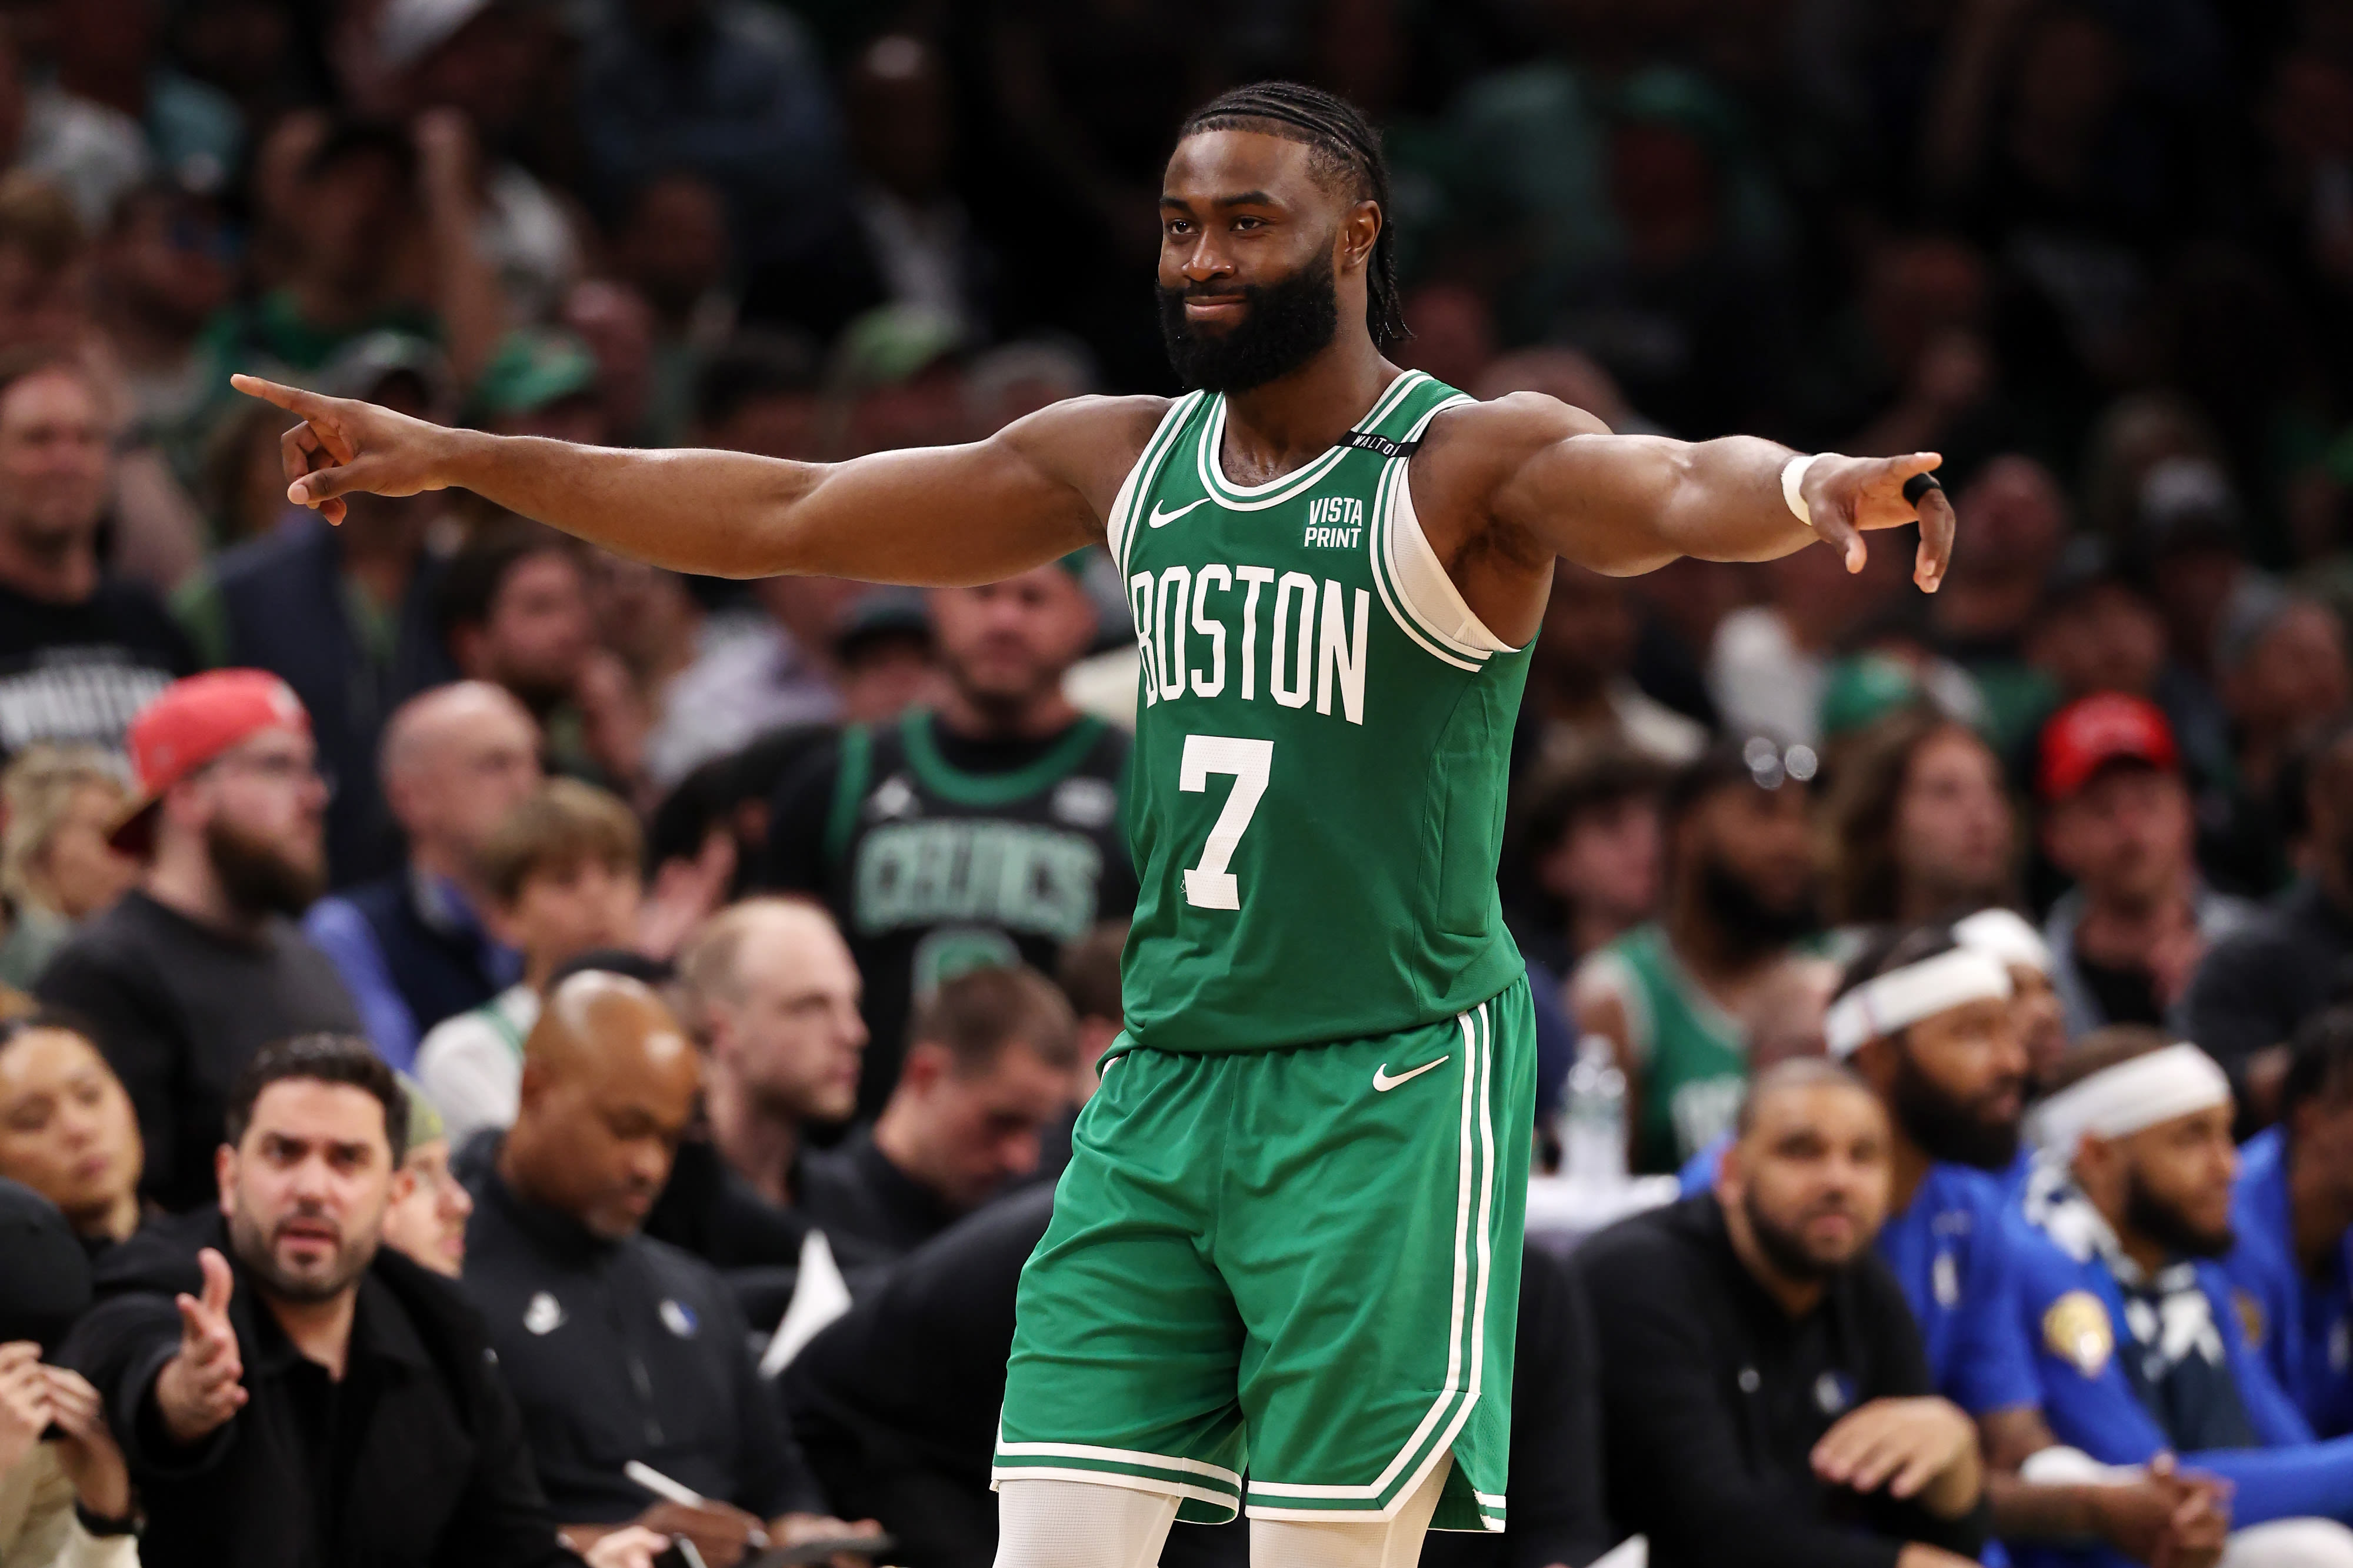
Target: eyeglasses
1770 765
274 768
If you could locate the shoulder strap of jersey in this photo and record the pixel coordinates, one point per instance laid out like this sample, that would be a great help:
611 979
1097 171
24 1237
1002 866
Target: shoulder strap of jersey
850 776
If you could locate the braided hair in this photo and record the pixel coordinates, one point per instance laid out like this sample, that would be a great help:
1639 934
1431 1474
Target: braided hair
1344 144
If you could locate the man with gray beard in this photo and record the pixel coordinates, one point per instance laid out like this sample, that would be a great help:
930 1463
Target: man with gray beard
201 963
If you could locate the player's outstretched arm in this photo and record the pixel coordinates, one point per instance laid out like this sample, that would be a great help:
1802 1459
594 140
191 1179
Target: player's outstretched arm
1623 504
976 513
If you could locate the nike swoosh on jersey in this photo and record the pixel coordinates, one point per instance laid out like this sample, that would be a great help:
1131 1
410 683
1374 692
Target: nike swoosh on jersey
1383 1082
1159 519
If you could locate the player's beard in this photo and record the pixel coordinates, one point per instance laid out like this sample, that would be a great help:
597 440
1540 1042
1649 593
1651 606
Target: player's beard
259 876
1287 323
1947 1129
1748 925
2167 1227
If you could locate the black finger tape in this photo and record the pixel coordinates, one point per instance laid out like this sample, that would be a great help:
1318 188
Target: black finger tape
1919 484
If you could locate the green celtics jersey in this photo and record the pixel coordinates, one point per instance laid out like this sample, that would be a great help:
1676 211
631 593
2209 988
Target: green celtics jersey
1316 794
1692 1056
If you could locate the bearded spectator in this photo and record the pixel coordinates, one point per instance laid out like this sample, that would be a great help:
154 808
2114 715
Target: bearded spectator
199 965
56 868
1679 999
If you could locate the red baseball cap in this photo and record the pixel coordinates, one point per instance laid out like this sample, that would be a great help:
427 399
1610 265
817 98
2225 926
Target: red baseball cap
190 722
2091 732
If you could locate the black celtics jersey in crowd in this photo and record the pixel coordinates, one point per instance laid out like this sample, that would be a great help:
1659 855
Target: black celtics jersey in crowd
940 854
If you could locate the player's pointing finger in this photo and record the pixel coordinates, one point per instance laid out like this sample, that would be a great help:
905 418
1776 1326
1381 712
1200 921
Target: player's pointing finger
292 399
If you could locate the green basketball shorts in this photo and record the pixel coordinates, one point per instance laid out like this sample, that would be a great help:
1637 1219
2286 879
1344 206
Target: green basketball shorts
1300 1265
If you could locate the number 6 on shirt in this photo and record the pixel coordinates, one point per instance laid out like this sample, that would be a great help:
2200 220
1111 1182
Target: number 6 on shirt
1209 885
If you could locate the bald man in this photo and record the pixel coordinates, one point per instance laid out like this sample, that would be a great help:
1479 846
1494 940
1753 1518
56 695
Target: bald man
411 946
774 994
619 1347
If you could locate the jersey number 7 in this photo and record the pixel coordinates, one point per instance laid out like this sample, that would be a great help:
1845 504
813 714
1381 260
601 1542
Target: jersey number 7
1209 885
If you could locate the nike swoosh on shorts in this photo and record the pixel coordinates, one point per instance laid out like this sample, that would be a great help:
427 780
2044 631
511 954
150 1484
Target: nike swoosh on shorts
1383 1082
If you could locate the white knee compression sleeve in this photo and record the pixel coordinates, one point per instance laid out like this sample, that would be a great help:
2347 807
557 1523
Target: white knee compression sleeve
2290 1543
1080 1524
1392 1542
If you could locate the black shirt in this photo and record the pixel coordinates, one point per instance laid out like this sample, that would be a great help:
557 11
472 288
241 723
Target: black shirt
82 672
1712 1398
415 1458
180 1008
2264 979
938 853
625 1350
867 1206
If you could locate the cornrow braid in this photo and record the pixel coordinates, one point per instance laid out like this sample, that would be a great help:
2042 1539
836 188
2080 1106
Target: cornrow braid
1341 136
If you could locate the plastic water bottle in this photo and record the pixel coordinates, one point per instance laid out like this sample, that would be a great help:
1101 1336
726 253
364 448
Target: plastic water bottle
1593 1117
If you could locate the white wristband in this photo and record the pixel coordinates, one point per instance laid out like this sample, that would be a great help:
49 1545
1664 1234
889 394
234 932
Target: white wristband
1793 477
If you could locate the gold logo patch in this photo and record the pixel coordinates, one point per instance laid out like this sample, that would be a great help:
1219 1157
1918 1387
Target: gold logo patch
2250 1318
2076 1329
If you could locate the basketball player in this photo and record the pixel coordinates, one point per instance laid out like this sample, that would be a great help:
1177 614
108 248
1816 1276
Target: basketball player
1287 1245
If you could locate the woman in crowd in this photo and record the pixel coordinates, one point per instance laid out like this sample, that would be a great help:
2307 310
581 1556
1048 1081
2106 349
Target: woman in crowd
1919 825
56 868
66 1129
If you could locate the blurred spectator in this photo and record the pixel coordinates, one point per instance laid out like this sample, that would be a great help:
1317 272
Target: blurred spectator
65 1493
425 1216
67 1129
1004 762
44 272
2144 1350
164 266
734 94
81 650
616 325
2035 1009
988 1067
758 392
239 1347
56 868
2258 985
619 1347
1914 370
1088 974
2291 1215
1679 999
1918 824
343 614
673 248
2126 939
1768 1282
412 947
559 875
111 53
771 996
1580 682
2280 666
513 609
89 151
707 683
900 121
365 194
1591 852
1453 335
541 380
2015 518
201 964
2188 537
481 59
1014 380
885 658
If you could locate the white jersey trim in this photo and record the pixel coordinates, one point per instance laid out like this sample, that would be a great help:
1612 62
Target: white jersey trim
1426 593
1275 491
1138 482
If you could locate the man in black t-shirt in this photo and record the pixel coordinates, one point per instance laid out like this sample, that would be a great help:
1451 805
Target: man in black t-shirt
81 651
986 832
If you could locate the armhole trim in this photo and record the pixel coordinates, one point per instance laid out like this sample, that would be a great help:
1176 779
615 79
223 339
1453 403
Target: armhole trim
1414 586
849 788
1138 482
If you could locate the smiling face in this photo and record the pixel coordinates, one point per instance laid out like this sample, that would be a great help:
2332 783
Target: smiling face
1264 244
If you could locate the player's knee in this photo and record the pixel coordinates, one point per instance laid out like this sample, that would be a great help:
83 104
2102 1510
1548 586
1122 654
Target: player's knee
2290 1543
1080 1524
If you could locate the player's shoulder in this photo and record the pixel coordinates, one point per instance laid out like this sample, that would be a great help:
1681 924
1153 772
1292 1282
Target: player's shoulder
1516 423
1091 441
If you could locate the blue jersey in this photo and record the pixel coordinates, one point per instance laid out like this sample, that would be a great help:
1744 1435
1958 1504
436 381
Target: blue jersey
2301 1327
2106 1372
1949 1251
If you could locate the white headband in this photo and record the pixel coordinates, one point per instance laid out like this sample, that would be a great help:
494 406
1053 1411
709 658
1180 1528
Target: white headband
1902 997
2116 1102
2005 934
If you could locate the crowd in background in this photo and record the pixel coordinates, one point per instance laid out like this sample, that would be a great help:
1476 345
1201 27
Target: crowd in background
757 935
